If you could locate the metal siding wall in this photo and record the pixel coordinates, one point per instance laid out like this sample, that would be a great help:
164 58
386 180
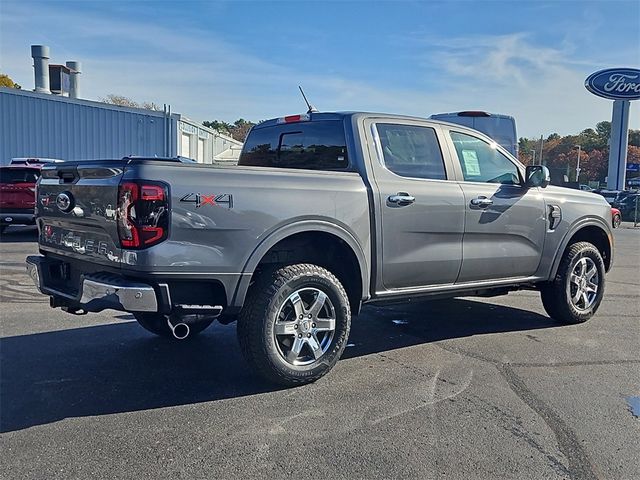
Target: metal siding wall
33 126
214 143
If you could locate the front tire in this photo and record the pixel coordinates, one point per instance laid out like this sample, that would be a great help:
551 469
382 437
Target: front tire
577 290
294 324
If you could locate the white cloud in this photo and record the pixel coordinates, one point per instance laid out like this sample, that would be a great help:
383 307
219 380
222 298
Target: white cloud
542 87
204 77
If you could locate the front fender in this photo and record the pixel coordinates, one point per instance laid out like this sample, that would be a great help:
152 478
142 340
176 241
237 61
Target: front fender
572 231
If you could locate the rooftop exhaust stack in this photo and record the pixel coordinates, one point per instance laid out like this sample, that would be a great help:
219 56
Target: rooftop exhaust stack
74 80
40 54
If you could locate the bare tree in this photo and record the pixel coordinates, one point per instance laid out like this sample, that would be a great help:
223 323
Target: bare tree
123 101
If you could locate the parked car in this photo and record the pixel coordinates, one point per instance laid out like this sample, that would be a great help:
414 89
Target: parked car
634 183
613 196
326 211
616 217
627 206
585 188
17 194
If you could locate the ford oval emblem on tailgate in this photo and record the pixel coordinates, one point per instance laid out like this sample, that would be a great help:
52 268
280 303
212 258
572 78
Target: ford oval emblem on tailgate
64 201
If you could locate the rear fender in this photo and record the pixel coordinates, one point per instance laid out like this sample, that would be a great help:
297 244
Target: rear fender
287 231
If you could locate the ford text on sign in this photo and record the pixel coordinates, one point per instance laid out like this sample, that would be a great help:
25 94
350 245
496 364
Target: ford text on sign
615 83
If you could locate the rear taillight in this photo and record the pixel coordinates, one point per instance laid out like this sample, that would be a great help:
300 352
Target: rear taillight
143 213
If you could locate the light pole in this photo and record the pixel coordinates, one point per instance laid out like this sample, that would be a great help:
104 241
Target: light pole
533 160
578 165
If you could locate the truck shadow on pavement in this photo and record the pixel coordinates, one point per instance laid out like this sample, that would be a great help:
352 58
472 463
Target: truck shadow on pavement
115 368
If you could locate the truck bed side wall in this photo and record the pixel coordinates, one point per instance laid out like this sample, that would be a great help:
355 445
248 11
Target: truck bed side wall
222 216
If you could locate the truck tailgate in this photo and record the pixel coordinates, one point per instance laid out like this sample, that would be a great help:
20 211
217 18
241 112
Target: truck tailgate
76 208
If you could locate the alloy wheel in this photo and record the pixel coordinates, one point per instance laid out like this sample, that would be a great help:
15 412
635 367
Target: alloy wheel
583 285
305 326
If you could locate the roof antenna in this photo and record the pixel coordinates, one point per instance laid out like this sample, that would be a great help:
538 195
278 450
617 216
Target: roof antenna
312 109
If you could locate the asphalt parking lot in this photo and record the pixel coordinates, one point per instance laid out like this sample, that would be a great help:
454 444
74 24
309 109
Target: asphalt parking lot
469 389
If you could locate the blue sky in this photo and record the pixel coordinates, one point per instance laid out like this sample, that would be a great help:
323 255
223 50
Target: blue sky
225 60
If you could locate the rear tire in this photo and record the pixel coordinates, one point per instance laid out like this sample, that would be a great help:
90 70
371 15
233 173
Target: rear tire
577 290
157 324
294 324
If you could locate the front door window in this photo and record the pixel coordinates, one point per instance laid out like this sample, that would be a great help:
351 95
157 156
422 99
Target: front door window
483 162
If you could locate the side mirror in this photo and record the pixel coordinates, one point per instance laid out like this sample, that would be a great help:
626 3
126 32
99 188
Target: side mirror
537 176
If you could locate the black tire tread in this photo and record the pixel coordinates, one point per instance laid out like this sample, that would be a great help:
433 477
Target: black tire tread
268 283
553 294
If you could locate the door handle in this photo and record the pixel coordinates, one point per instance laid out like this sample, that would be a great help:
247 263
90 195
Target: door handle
401 198
482 202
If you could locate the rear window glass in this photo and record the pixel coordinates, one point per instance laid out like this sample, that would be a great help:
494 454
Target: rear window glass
411 151
18 175
319 145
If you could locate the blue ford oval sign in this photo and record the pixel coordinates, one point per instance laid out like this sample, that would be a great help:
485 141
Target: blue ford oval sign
615 83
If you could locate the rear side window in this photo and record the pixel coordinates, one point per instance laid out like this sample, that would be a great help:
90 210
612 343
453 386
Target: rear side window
411 151
319 145
18 175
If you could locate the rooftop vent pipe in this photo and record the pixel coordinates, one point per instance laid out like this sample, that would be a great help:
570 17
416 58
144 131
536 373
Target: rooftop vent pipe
40 54
74 80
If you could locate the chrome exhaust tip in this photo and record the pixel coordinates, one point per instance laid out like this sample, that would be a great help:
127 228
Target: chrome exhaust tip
180 331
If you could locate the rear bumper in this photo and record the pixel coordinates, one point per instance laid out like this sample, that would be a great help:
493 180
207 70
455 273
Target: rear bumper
96 292
17 218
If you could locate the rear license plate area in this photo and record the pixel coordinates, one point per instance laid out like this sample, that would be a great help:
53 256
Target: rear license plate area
59 275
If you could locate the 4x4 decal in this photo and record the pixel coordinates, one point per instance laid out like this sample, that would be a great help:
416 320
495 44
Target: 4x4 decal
213 199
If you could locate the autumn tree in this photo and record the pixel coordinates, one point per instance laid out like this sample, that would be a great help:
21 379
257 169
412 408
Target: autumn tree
6 81
633 153
594 166
237 130
218 126
604 130
589 140
241 129
528 150
560 153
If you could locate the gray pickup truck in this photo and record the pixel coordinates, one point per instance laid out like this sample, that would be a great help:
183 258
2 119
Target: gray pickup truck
325 212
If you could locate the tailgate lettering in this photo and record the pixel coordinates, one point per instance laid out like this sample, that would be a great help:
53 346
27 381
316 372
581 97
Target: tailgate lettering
77 243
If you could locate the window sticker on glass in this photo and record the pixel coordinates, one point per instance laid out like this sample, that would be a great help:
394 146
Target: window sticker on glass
471 164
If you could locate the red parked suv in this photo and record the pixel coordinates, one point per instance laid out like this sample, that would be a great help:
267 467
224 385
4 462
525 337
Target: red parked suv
17 191
17 194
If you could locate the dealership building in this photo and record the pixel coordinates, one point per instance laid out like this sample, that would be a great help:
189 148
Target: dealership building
52 122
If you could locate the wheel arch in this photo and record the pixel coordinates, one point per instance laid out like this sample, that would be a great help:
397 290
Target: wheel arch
593 231
287 244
